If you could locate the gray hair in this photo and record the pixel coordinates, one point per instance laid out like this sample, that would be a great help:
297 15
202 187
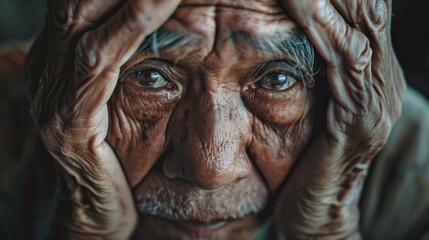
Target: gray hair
293 46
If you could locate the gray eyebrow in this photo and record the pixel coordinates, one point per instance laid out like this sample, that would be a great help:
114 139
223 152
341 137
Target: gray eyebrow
163 38
294 46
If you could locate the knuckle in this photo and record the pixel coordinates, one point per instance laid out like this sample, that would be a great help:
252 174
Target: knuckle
324 14
139 6
62 15
360 52
86 58
135 16
380 13
68 18
377 16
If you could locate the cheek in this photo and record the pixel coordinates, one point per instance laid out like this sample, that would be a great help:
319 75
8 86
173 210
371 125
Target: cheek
138 123
274 150
280 135
277 108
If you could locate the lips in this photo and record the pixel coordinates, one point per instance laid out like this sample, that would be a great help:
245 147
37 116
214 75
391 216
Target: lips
171 209
220 229
200 229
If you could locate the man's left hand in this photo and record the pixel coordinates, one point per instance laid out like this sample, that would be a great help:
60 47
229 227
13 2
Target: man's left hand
320 199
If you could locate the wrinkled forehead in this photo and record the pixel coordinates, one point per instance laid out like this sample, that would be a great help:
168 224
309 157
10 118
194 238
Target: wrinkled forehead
213 18
223 33
268 6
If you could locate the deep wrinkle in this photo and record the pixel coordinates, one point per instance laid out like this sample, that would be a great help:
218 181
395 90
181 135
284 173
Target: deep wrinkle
235 7
220 137
171 46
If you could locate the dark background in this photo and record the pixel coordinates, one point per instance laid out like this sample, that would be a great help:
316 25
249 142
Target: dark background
22 19
410 35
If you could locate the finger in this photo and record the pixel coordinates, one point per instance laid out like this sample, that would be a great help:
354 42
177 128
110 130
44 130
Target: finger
64 20
373 17
364 15
346 50
70 17
370 17
101 52
336 41
110 45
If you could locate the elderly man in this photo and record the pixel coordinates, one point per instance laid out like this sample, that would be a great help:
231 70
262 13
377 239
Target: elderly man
219 119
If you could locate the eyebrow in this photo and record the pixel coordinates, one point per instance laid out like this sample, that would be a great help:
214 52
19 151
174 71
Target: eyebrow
292 46
164 38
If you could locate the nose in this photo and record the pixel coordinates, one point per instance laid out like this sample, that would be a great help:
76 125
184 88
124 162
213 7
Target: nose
209 134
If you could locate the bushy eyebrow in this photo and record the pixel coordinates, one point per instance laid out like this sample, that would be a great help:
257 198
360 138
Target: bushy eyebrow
293 46
164 38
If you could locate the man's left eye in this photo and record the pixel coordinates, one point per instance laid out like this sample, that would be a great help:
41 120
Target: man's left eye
276 81
150 79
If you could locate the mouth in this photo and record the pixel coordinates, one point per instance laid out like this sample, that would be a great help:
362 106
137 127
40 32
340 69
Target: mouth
199 229
173 210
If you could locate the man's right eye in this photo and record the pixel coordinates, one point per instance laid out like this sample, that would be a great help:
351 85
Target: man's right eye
150 79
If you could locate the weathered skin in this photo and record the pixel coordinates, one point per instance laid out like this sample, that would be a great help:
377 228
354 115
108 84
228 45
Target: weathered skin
213 144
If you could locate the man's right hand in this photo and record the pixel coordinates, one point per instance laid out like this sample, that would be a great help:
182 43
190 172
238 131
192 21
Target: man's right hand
72 71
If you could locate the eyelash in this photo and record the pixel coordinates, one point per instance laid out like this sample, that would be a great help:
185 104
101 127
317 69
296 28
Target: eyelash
161 67
264 70
285 68
260 73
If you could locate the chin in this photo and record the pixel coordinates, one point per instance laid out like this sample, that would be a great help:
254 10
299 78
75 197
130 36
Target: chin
155 227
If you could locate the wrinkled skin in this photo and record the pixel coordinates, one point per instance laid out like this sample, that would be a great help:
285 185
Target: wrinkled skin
213 144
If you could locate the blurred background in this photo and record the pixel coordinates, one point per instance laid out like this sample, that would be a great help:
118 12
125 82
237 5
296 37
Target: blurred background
410 35
20 19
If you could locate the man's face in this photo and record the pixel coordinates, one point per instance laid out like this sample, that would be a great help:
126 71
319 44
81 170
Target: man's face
209 116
